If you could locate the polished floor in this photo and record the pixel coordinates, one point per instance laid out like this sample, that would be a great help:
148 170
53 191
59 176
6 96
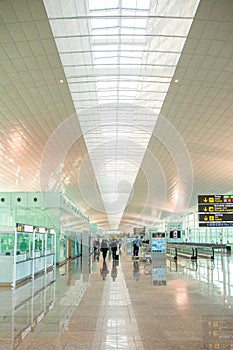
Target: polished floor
163 305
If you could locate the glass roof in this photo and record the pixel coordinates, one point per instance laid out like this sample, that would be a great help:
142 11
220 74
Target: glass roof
119 58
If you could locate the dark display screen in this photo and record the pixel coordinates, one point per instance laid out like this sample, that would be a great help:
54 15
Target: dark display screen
175 234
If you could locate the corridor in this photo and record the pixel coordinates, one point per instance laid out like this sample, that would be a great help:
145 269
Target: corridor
123 305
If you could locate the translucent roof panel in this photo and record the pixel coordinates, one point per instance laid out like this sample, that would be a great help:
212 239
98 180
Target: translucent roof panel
119 58
102 4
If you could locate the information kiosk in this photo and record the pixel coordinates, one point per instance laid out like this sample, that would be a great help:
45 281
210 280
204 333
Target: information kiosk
158 255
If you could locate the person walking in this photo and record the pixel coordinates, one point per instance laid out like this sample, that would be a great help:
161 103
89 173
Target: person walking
119 246
104 248
114 248
136 245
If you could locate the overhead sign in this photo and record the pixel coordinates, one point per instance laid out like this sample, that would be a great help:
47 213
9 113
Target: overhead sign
215 210
174 226
24 228
216 217
139 231
152 230
216 224
215 198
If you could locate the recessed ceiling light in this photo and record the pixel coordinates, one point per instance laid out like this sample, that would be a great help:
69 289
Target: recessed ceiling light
176 80
61 81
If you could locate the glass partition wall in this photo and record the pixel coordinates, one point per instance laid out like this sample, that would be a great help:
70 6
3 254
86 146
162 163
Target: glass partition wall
26 251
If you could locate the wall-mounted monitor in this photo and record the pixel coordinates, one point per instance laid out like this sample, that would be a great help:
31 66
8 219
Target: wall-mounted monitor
175 234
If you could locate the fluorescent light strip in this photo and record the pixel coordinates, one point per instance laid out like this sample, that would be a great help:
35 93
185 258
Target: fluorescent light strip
119 58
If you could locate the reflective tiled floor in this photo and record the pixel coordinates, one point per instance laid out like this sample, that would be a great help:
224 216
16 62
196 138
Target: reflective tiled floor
163 305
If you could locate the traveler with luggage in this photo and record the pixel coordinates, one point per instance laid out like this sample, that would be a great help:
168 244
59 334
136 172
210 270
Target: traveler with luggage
113 246
104 248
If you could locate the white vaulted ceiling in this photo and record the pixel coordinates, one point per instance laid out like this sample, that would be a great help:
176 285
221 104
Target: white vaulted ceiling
125 106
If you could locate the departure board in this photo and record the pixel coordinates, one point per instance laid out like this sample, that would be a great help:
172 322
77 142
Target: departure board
215 198
139 231
215 210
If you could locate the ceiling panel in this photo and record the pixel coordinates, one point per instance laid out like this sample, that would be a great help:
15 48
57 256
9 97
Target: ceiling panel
42 145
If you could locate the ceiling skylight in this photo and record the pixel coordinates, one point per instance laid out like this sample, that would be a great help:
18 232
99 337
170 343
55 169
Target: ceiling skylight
119 57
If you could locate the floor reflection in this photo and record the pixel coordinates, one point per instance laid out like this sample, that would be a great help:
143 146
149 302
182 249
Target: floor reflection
136 270
114 270
159 273
44 307
104 271
22 309
216 273
46 298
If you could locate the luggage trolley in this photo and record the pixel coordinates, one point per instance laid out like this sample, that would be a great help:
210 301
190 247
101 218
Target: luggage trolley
145 253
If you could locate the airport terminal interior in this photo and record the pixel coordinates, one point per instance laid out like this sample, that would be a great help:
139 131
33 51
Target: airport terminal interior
116 123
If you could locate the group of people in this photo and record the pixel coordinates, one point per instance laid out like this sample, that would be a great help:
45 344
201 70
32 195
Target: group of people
114 245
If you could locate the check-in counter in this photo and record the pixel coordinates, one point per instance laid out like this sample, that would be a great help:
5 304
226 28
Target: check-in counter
23 254
23 268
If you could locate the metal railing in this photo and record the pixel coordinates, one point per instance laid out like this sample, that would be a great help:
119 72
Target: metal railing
194 250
